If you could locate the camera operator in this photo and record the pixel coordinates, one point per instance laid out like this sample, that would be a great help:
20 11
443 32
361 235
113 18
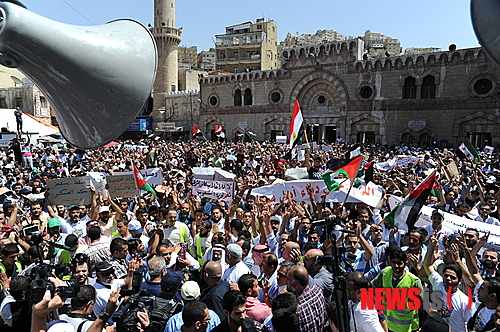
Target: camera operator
9 260
53 301
14 306
81 309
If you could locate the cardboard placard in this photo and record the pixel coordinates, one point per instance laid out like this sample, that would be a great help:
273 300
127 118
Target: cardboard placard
70 191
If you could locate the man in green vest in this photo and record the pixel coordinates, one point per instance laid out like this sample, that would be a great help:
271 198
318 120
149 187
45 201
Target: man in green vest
9 263
397 276
202 241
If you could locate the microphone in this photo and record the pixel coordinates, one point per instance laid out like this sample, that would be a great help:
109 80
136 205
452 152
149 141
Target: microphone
58 245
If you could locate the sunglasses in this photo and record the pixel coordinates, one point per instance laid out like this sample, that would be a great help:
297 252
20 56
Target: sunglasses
105 274
281 275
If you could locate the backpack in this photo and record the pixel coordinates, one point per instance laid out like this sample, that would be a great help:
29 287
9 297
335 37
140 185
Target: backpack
160 316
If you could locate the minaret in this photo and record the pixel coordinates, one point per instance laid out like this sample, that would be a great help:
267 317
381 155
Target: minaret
168 38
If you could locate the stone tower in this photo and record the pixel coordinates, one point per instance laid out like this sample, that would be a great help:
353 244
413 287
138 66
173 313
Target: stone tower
168 38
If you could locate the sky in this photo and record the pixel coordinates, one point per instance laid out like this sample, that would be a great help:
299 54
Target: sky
416 23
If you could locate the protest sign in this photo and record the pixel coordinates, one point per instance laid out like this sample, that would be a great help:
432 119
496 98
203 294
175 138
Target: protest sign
122 186
369 194
281 139
213 189
98 181
213 173
296 173
403 160
69 191
153 176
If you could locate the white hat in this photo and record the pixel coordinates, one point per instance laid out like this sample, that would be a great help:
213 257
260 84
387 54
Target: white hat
104 209
190 291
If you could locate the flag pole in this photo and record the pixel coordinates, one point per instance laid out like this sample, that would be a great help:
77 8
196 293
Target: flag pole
347 195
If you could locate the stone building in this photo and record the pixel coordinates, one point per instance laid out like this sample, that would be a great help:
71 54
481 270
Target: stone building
206 60
321 36
247 46
442 97
187 58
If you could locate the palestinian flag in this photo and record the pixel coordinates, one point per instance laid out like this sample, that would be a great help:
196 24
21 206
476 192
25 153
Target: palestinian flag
196 130
468 150
296 126
330 182
141 183
351 168
250 134
238 134
405 214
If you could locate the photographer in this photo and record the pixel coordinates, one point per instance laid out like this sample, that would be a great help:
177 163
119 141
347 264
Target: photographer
14 306
52 302
81 309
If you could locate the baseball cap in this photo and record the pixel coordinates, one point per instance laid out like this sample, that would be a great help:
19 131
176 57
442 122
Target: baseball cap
104 209
135 227
74 207
54 222
170 281
274 219
234 250
190 291
437 211
104 267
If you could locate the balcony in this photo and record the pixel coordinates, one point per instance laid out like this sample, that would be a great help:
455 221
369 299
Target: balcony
255 57
252 38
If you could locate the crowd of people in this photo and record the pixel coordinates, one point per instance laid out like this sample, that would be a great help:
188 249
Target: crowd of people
175 261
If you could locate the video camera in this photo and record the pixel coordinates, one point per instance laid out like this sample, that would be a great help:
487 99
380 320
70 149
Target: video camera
126 316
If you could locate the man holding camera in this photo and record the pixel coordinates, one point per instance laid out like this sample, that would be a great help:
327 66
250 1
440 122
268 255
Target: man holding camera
320 276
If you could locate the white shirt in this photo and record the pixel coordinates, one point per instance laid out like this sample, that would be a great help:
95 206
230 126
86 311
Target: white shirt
174 233
102 296
233 274
459 316
363 320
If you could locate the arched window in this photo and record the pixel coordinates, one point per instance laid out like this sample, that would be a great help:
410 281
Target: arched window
237 97
428 87
248 96
410 89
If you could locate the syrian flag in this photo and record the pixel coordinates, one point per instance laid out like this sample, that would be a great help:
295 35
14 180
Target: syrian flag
219 131
405 214
141 183
296 126
468 150
196 130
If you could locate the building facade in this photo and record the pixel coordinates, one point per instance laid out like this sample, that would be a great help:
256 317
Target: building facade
187 58
247 46
439 97
206 60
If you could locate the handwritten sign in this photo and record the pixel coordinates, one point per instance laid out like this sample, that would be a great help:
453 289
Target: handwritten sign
98 181
122 186
153 176
213 189
69 191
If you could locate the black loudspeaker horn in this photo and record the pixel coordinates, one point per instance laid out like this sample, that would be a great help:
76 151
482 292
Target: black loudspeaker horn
97 78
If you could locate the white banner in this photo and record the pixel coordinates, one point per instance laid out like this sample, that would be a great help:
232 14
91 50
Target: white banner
455 223
399 160
69 191
213 189
369 194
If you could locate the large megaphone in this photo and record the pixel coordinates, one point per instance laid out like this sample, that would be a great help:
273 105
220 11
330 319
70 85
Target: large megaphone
485 15
96 78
